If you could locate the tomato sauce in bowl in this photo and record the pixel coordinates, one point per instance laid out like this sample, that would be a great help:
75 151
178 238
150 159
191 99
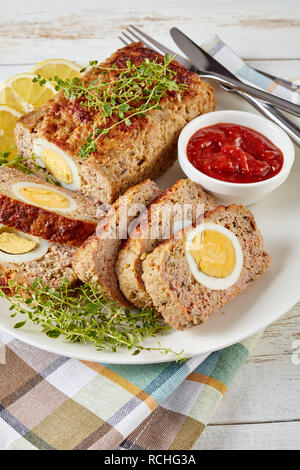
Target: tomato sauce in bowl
234 153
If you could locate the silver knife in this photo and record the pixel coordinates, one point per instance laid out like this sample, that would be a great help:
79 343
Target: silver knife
209 63
200 61
267 110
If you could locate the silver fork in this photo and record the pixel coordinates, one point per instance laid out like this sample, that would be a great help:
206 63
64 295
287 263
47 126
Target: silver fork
133 34
143 37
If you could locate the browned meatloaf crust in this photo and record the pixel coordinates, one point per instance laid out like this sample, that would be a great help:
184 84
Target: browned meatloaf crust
95 260
154 227
71 228
182 300
128 154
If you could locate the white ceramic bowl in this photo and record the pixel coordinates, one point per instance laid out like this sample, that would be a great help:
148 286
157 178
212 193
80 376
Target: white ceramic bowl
245 193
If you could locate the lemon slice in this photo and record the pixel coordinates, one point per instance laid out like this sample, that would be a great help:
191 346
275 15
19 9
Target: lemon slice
61 68
23 95
8 119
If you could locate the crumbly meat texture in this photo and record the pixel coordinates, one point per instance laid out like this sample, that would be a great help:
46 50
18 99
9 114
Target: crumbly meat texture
25 132
95 260
128 154
185 199
182 300
54 266
71 228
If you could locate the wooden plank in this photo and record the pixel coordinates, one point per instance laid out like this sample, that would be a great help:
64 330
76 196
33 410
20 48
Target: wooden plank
278 340
267 436
262 392
267 388
37 30
283 68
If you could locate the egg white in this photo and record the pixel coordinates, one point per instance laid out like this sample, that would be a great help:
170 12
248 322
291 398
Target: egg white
211 282
37 149
37 253
26 184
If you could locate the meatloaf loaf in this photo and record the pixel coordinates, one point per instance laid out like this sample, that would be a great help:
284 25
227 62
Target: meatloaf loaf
127 154
176 294
95 260
71 225
181 203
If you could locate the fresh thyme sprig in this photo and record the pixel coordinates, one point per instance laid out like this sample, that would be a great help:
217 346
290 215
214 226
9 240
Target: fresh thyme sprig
126 93
85 314
20 163
16 161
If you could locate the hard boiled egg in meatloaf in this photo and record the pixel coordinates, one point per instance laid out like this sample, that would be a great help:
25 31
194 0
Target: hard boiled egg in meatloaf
214 255
57 163
42 196
18 247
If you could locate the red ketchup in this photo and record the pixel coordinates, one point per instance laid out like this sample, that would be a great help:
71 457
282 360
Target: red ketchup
234 153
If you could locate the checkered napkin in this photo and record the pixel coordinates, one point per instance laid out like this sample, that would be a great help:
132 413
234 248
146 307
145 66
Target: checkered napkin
227 57
55 402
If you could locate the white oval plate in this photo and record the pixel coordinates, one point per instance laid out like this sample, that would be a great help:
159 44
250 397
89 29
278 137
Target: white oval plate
272 295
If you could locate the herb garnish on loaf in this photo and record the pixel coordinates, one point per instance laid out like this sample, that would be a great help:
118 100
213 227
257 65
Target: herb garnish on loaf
128 154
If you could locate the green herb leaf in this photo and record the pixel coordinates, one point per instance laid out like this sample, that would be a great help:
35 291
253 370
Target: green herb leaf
20 324
53 333
26 165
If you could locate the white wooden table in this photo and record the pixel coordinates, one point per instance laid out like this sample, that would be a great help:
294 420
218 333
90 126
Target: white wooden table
262 408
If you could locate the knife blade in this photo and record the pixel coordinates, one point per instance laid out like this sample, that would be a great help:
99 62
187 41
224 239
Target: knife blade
202 62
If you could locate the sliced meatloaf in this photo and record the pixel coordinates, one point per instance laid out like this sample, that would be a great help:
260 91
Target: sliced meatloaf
70 226
183 202
51 268
95 260
127 154
176 294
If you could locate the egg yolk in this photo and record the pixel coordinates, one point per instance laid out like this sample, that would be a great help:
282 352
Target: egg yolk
214 253
57 165
15 245
44 197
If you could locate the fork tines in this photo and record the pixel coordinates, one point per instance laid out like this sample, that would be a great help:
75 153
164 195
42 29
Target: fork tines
133 34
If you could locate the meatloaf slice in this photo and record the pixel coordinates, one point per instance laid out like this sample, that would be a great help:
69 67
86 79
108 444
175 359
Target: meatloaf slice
184 201
51 268
70 226
176 294
95 260
127 154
